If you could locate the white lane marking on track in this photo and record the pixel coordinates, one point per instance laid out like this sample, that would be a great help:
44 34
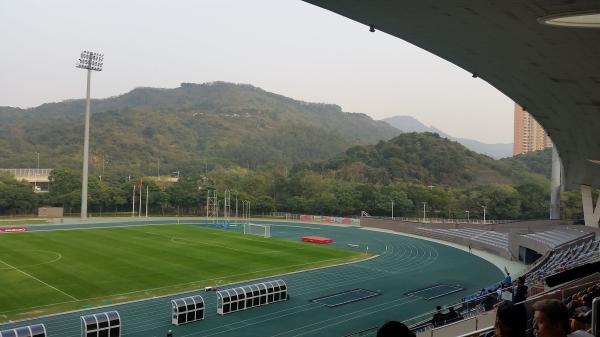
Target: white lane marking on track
37 279
386 306
345 320
305 227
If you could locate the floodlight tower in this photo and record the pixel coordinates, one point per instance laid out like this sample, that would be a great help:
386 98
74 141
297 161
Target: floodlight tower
90 61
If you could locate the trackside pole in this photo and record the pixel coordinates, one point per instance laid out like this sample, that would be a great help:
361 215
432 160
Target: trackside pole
140 210
147 191
133 203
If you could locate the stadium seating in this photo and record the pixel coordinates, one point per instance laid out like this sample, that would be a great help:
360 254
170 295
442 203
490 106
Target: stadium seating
492 238
565 258
556 237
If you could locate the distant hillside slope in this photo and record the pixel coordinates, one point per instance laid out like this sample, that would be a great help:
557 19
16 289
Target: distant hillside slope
410 124
536 162
184 128
424 158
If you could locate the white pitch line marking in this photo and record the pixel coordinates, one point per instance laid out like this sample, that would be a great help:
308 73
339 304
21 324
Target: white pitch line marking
37 279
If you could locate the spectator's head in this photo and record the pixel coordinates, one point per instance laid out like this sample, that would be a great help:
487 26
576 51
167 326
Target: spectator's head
394 329
438 308
581 320
551 318
451 309
521 281
510 322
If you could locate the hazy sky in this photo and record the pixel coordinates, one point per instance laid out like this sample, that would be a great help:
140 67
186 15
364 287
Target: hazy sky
285 46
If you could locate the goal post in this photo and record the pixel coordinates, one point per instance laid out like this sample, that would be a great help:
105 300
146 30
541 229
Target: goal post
257 229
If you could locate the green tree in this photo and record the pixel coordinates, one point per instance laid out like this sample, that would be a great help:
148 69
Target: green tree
16 197
65 188
534 201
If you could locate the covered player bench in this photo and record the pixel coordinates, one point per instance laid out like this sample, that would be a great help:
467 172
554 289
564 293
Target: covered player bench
246 297
187 309
37 330
104 324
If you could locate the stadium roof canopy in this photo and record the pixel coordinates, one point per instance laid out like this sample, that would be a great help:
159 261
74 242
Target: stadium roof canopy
552 71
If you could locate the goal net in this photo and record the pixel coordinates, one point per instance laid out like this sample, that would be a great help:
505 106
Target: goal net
256 229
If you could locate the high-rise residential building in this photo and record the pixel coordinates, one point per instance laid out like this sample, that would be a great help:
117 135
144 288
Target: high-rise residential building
529 135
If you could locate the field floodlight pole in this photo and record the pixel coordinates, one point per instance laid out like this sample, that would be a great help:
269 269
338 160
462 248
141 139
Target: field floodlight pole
90 61
392 209
424 210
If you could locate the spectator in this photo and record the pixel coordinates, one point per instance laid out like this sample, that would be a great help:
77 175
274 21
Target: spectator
394 329
453 316
489 301
438 318
551 319
507 279
170 333
499 291
520 291
510 322
581 321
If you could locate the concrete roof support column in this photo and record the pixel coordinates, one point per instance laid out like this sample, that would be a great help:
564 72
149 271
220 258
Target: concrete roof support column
591 214
555 186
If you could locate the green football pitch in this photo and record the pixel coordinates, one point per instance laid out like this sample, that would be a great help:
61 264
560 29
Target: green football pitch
53 271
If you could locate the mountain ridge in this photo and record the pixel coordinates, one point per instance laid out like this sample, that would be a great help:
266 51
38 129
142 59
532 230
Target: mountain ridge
184 128
411 124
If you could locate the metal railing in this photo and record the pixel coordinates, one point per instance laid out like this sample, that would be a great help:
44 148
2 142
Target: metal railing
27 172
445 220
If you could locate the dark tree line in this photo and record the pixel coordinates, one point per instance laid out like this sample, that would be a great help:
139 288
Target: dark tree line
299 191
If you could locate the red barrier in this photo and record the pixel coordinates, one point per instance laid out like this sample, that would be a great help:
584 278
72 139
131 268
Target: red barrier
12 229
306 217
346 221
317 239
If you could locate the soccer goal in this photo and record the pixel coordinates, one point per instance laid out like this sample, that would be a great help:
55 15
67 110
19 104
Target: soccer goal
257 229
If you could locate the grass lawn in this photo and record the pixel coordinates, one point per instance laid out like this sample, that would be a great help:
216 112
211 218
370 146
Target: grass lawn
46 272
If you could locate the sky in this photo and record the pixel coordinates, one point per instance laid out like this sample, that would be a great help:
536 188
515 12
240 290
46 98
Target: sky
284 46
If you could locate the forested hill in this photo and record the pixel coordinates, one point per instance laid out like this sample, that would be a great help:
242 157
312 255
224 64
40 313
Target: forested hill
422 158
537 161
184 128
